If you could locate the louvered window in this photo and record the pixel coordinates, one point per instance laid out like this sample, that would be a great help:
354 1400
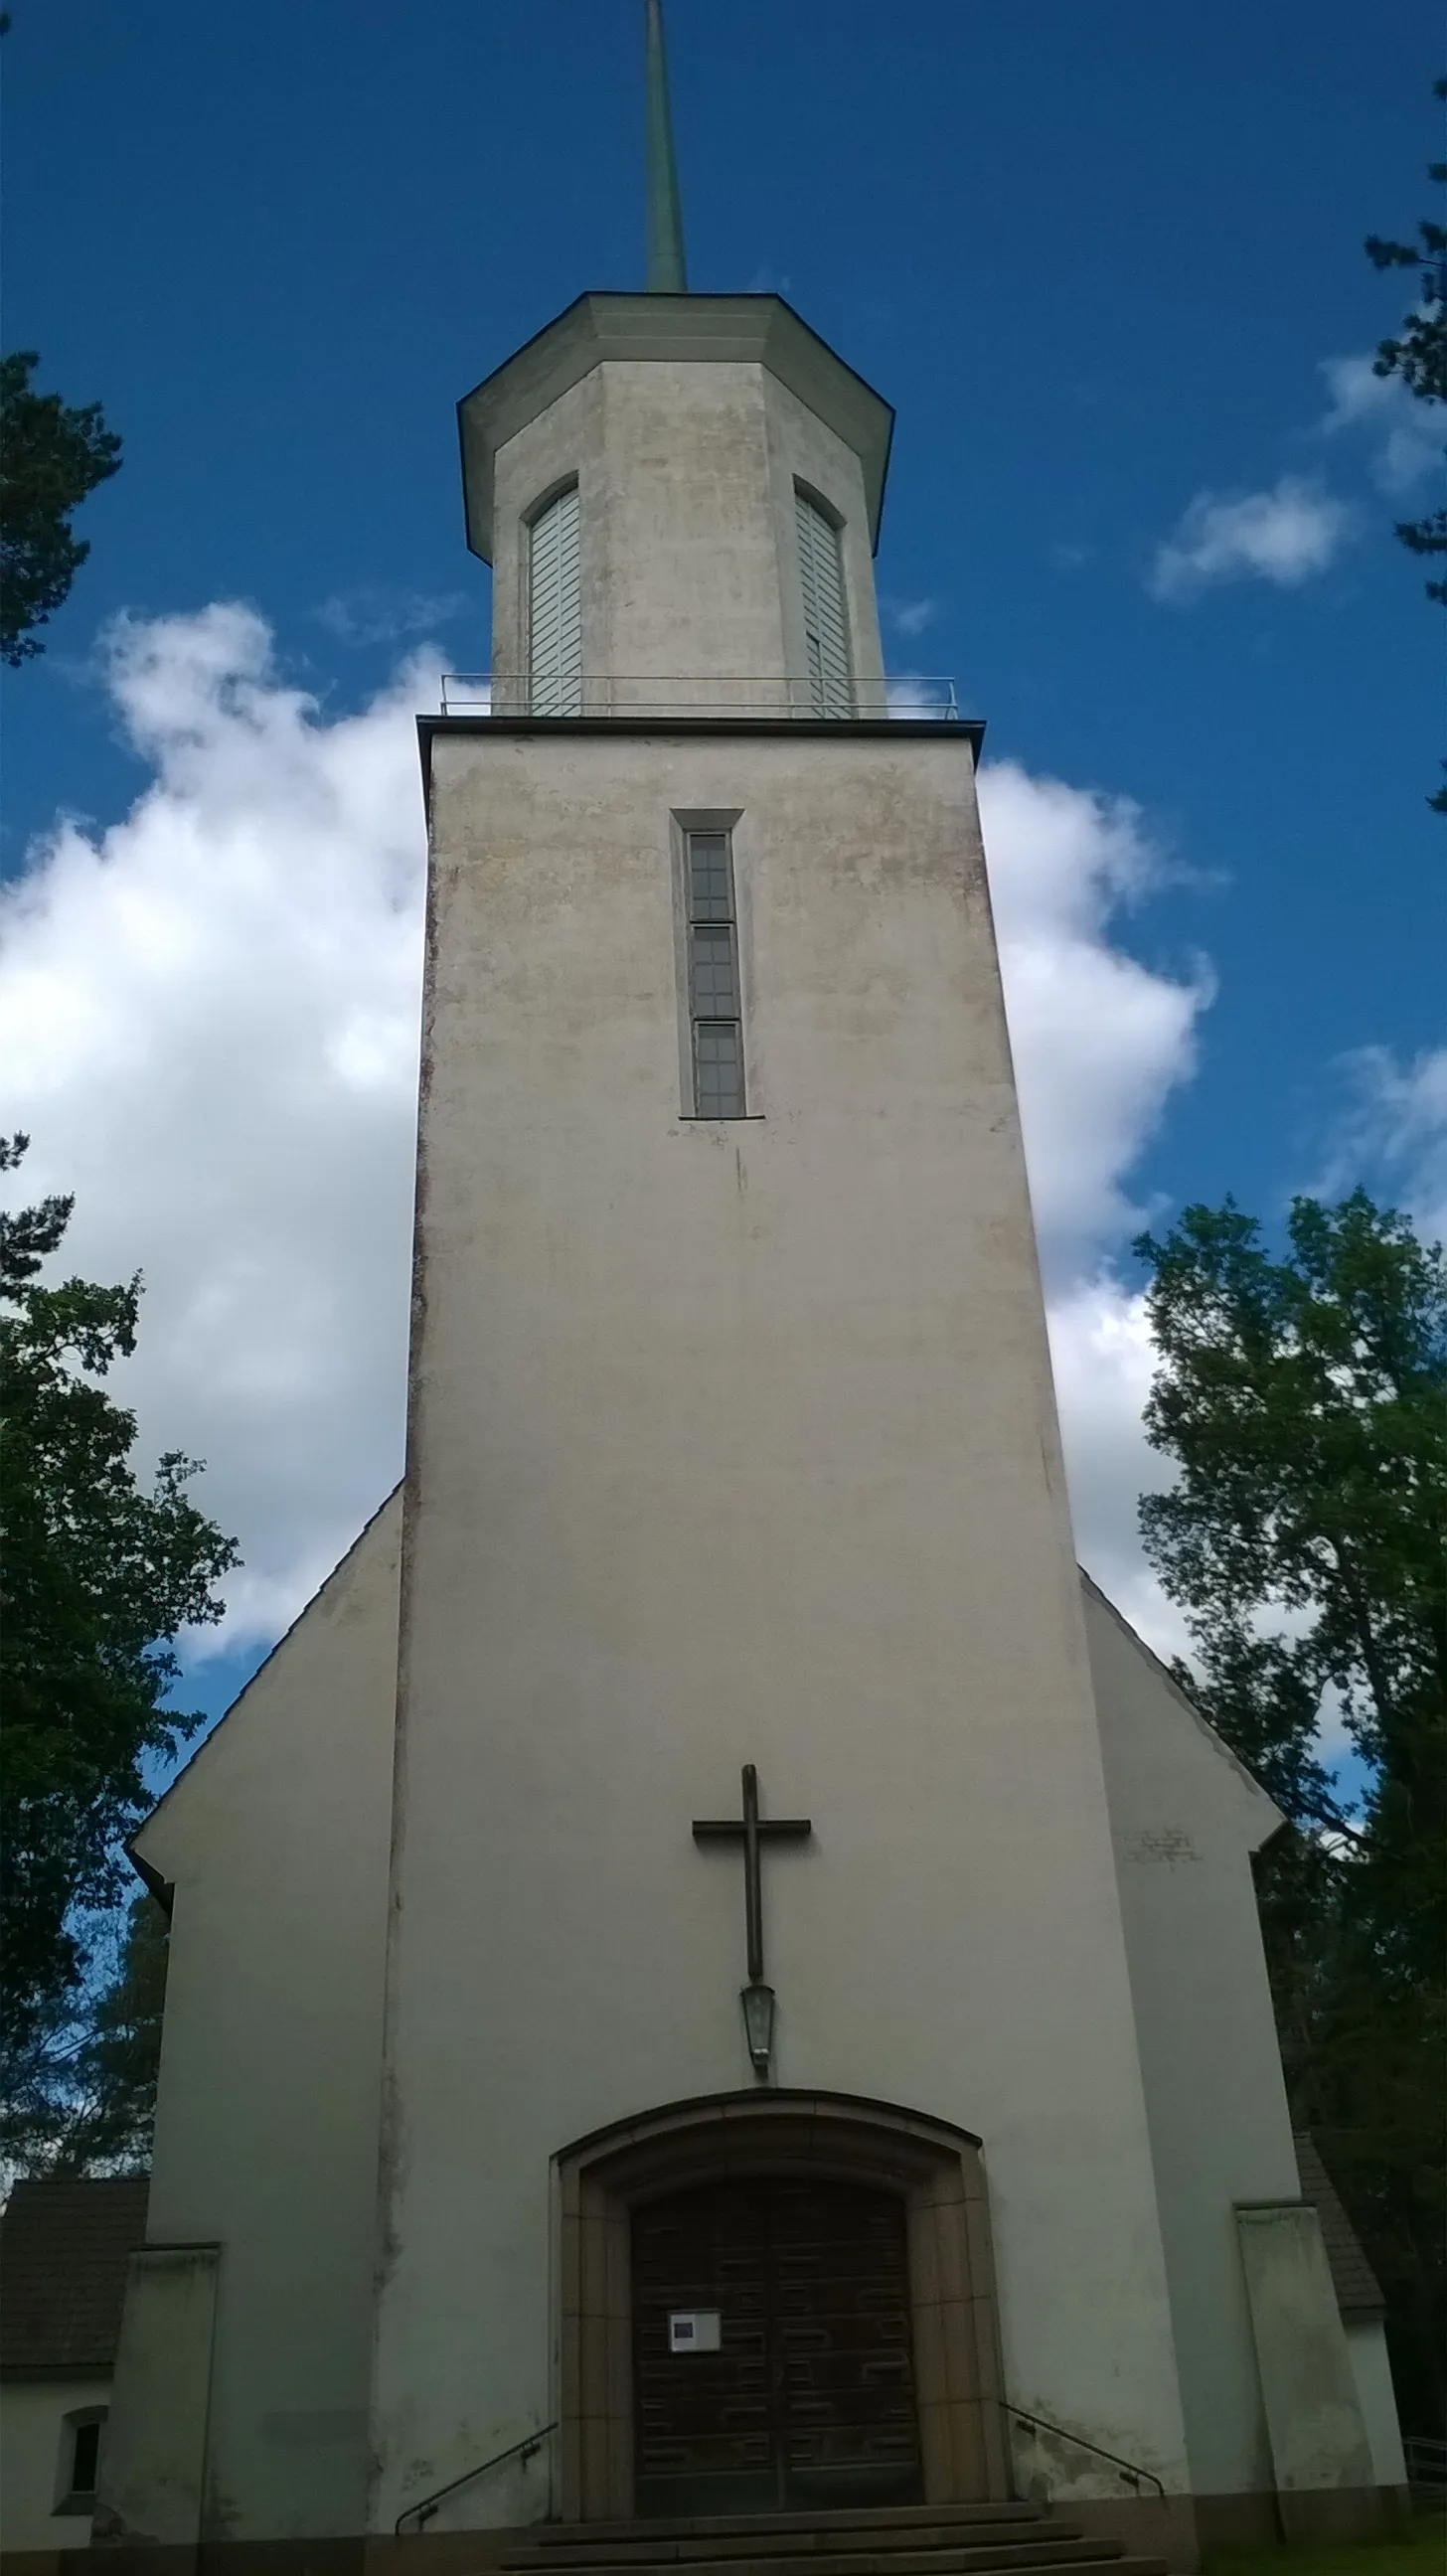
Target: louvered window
826 631
555 609
713 977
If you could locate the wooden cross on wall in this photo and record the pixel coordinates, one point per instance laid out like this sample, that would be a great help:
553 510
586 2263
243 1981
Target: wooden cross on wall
753 1831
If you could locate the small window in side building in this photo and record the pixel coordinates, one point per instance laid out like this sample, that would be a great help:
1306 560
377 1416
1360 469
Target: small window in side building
714 1005
80 2438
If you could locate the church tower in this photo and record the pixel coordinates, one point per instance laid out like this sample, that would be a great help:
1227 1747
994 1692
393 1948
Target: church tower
754 1920
715 2003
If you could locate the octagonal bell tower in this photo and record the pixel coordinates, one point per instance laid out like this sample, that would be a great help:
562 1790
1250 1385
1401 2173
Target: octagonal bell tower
683 440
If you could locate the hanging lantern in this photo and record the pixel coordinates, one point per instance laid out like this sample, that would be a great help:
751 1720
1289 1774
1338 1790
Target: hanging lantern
758 2004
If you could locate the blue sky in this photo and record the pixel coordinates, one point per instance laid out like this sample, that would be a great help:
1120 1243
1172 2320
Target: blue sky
1095 258
1098 259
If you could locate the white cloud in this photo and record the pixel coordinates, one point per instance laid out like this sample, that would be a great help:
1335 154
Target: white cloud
1404 434
373 613
208 1023
1101 1349
1392 1127
1285 536
910 616
1100 1040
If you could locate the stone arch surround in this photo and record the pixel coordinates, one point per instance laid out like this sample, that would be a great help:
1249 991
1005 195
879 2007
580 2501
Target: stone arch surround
934 2168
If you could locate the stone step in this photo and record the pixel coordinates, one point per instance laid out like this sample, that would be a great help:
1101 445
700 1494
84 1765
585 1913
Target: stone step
806 2544
550 2537
1044 2559
804 2541
1011 2552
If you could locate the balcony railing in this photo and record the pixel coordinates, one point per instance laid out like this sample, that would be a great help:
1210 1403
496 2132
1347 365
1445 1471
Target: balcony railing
572 694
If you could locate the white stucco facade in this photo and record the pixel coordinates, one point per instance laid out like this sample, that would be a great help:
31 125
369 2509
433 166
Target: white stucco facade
737 1443
729 1441
1372 2376
155 2480
1186 1819
34 2453
1182 1813
284 2248
274 1842
1313 2411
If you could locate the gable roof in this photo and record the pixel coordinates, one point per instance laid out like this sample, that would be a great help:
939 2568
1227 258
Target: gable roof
1269 1818
152 1877
1358 2293
64 2249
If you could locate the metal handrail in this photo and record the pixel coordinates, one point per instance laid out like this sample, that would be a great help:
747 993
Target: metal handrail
522 2450
1128 2468
795 694
1426 2460
423 2511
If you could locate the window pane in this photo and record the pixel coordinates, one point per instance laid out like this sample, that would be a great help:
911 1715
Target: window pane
715 985
713 977
84 2457
708 877
719 1069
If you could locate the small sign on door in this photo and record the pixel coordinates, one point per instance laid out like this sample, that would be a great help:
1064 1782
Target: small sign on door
695 2329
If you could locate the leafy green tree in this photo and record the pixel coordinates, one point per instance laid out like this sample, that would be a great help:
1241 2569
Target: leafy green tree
98 1578
122 2054
1303 1401
51 457
80 2097
1418 356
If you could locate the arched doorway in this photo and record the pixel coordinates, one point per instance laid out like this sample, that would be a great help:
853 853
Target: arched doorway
776 2300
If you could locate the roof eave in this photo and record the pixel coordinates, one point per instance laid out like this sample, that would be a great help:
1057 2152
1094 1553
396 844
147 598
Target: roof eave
697 329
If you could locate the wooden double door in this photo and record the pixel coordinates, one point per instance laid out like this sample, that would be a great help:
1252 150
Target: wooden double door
809 2398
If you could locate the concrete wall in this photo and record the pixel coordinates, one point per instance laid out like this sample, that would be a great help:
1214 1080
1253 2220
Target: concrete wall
1186 1818
1372 2375
686 478
33 2459
727 1443
151 2486
266 2133
1313 2413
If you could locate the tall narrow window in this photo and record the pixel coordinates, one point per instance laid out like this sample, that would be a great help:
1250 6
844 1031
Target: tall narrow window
555 609
713 977
826 629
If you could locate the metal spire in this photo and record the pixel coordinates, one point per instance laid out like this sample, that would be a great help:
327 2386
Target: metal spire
666 274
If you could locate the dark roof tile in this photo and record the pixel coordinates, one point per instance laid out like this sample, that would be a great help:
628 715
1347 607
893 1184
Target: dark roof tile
64 2248
1352 2277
